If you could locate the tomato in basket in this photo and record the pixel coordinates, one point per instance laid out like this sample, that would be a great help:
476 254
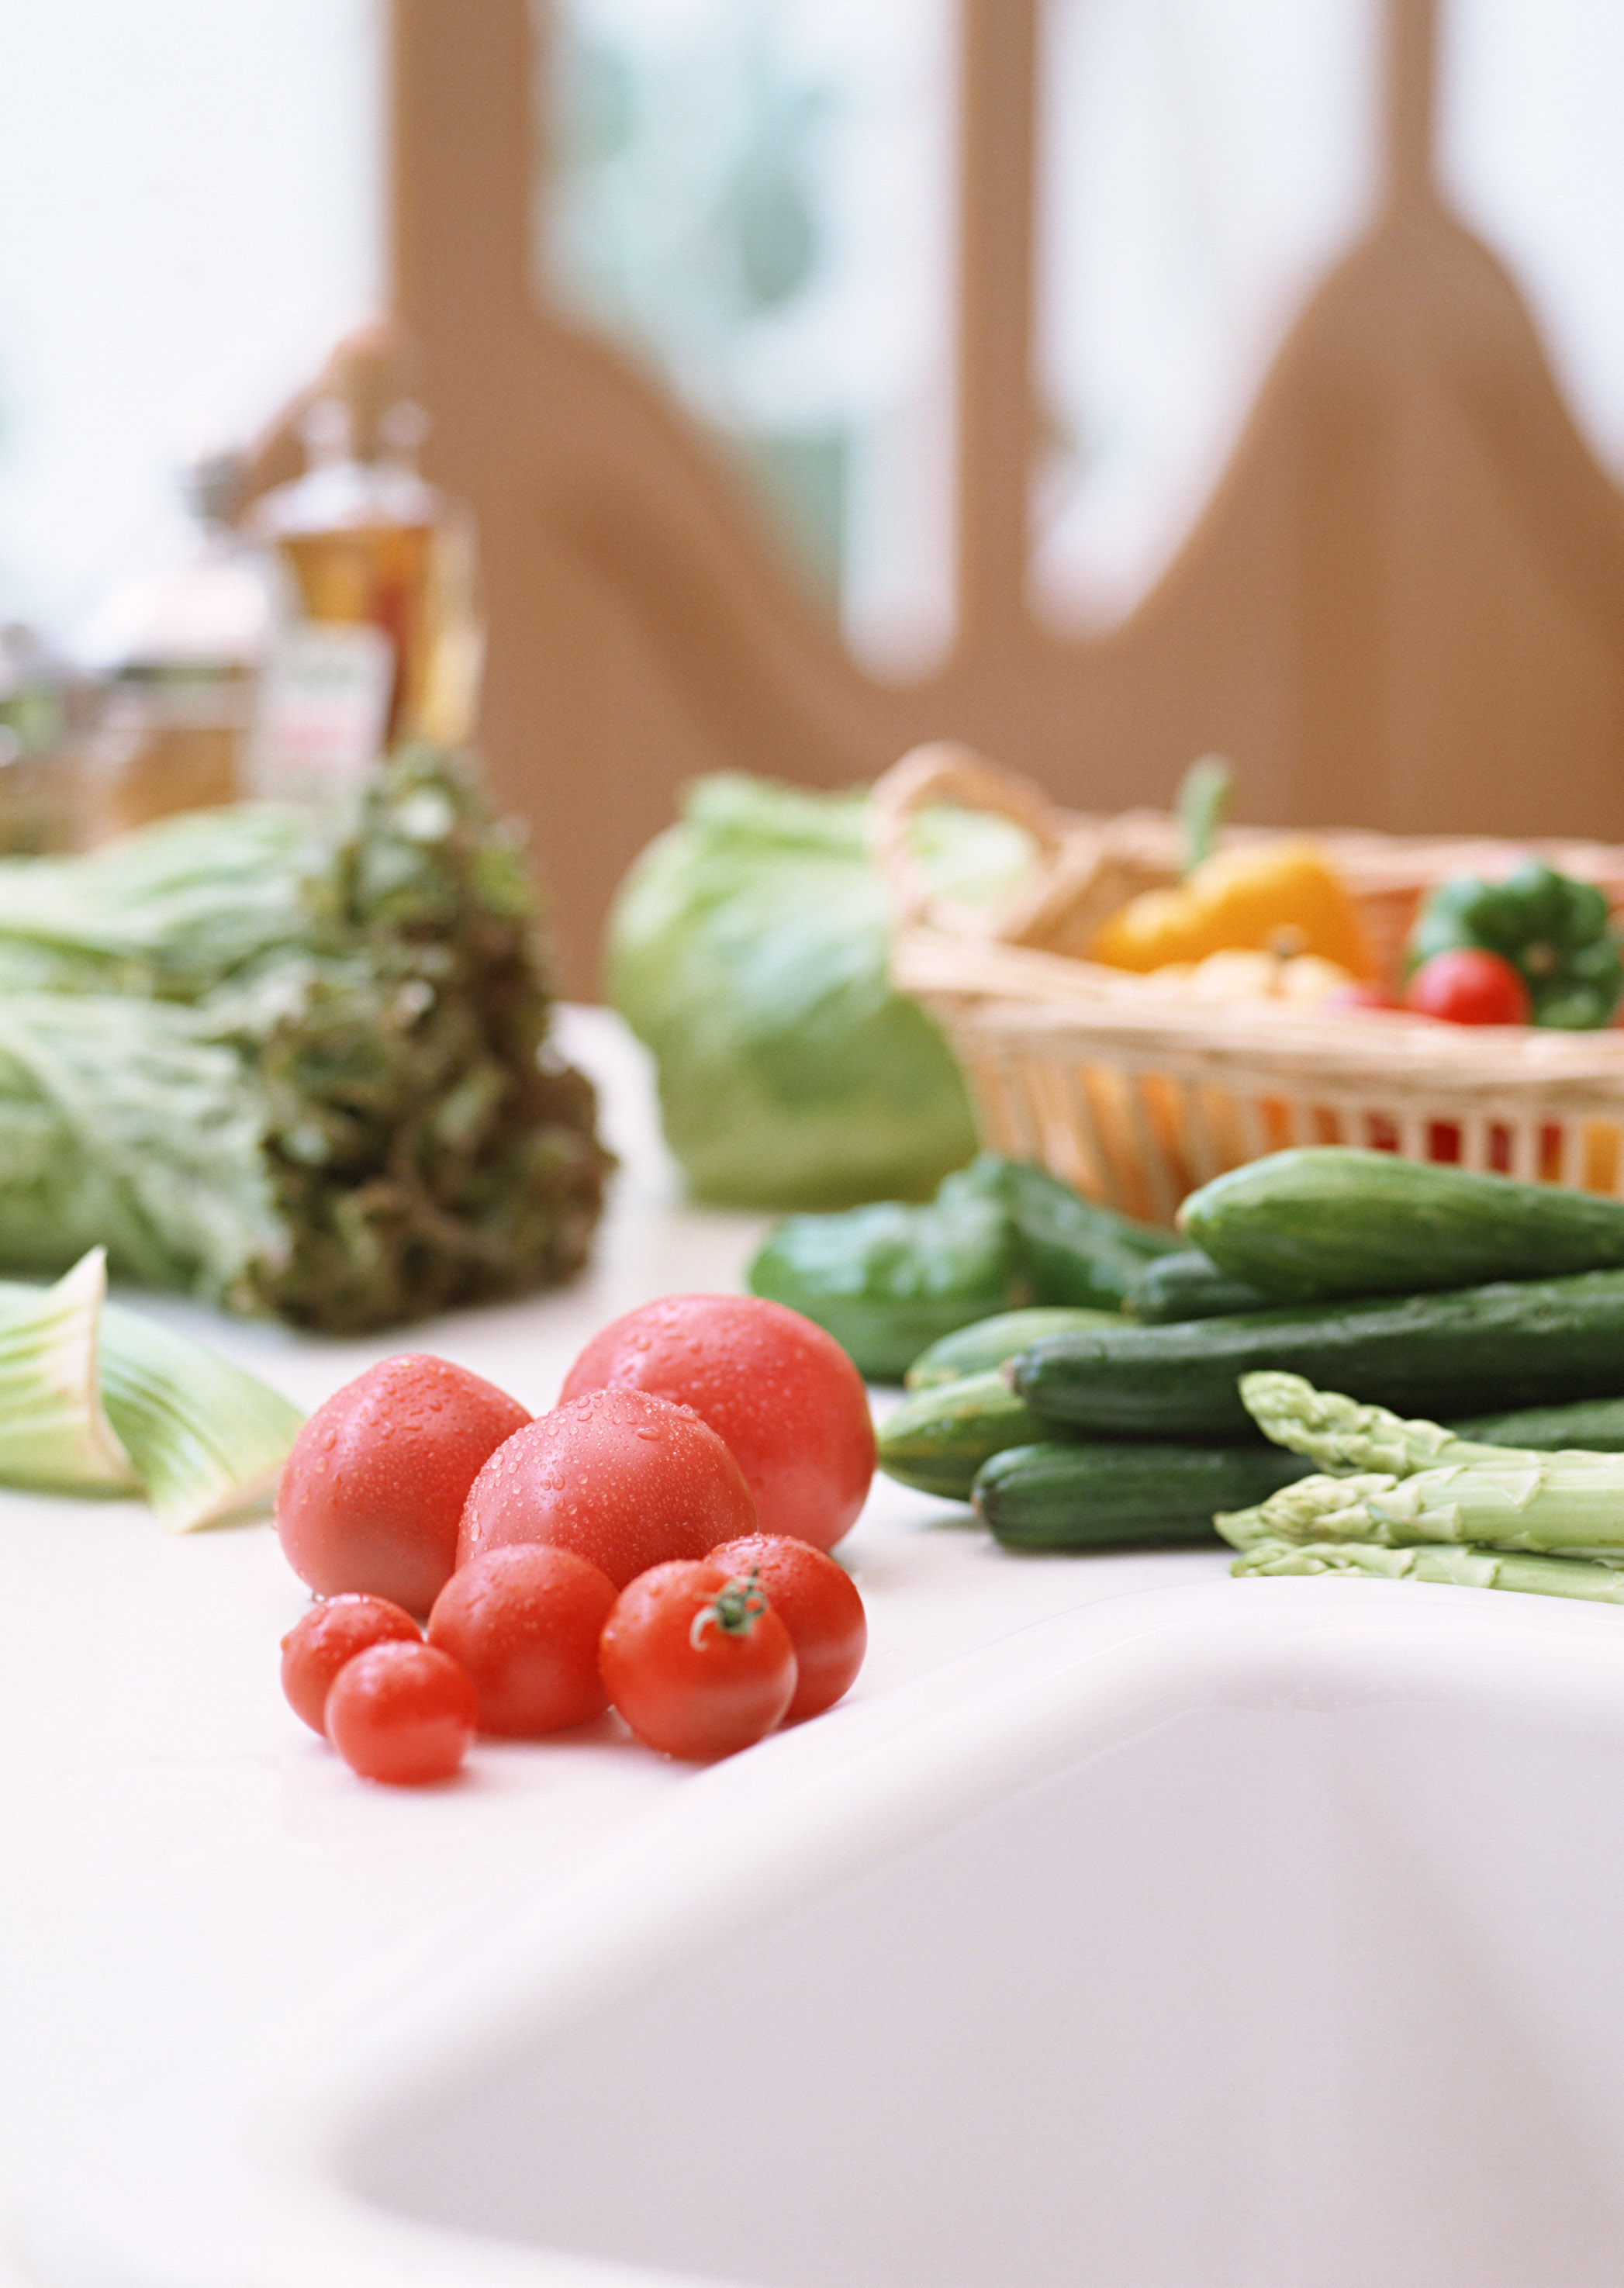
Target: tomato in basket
1469 987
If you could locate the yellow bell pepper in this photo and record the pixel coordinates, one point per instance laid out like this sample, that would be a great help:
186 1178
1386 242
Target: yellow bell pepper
1276 897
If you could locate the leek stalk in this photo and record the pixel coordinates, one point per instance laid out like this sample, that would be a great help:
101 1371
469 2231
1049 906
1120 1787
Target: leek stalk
96 1399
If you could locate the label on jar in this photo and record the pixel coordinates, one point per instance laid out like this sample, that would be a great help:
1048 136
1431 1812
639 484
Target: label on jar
323 711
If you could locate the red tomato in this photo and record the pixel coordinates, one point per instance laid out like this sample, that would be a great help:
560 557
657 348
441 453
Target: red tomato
401 1712
1467 987
624 1479
783 1394
523 1622
697 1665
322 1640
817 1602
373 1491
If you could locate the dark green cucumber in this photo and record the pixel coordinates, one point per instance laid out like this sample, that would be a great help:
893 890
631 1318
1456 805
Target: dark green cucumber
1595 1426
978 1349
1188 1285
1323 1221
1095 1493
938 1439
1482 1349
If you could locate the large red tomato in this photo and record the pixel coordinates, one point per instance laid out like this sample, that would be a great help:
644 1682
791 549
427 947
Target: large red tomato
624 1479
372 1493
783 1394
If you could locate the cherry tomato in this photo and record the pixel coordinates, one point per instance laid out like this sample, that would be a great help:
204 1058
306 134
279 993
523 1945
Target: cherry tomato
373 1491
1467 987
322 1640
624 1479
401 1712
523 1622
818 1602
783 1394
696 1661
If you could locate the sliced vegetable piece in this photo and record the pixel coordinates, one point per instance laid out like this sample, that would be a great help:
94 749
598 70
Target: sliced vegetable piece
55 1436
208 1438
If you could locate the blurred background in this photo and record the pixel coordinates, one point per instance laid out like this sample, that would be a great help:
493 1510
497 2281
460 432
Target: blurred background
1099 381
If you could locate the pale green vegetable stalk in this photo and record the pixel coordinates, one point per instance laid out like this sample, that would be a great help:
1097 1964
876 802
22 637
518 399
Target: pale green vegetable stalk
54 1433
1339 1434
95 1398
208 1438
1469 1569
1549 1503
1418 1482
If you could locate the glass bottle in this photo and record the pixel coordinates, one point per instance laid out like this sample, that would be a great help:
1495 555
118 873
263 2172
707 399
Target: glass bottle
177 654
380 637
44 719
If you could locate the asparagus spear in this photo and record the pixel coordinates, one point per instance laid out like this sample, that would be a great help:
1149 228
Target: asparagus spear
1470 1568
1558 1503
1339 1434
1416 1483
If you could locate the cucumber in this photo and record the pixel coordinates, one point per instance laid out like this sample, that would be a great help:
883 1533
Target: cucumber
1595 1426
1093 1493
1323 1221
1481 1350
1188 1285
938 1439
978 1349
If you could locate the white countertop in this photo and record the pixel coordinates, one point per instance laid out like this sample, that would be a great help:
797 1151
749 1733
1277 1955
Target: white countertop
186 1873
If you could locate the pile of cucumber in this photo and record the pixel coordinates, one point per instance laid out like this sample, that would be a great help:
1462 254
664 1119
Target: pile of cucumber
1494 1305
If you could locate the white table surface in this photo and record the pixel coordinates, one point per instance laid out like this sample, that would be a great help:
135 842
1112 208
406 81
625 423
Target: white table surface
186 1873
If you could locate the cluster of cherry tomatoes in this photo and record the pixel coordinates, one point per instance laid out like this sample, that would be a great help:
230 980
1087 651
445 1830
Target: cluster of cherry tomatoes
658 1542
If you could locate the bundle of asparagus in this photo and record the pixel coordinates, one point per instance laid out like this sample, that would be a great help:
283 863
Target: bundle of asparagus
1410 1500
294 1065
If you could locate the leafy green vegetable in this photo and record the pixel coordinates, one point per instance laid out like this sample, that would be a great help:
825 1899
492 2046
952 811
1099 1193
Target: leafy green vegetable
748 948
293 1064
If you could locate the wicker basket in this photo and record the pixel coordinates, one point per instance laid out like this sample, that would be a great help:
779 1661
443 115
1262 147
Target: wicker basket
1137 1096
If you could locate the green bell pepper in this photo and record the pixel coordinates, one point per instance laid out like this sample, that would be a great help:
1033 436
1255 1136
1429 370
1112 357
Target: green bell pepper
1556 933
888 1279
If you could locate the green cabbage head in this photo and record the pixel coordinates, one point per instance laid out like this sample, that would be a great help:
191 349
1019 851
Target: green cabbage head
748 948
